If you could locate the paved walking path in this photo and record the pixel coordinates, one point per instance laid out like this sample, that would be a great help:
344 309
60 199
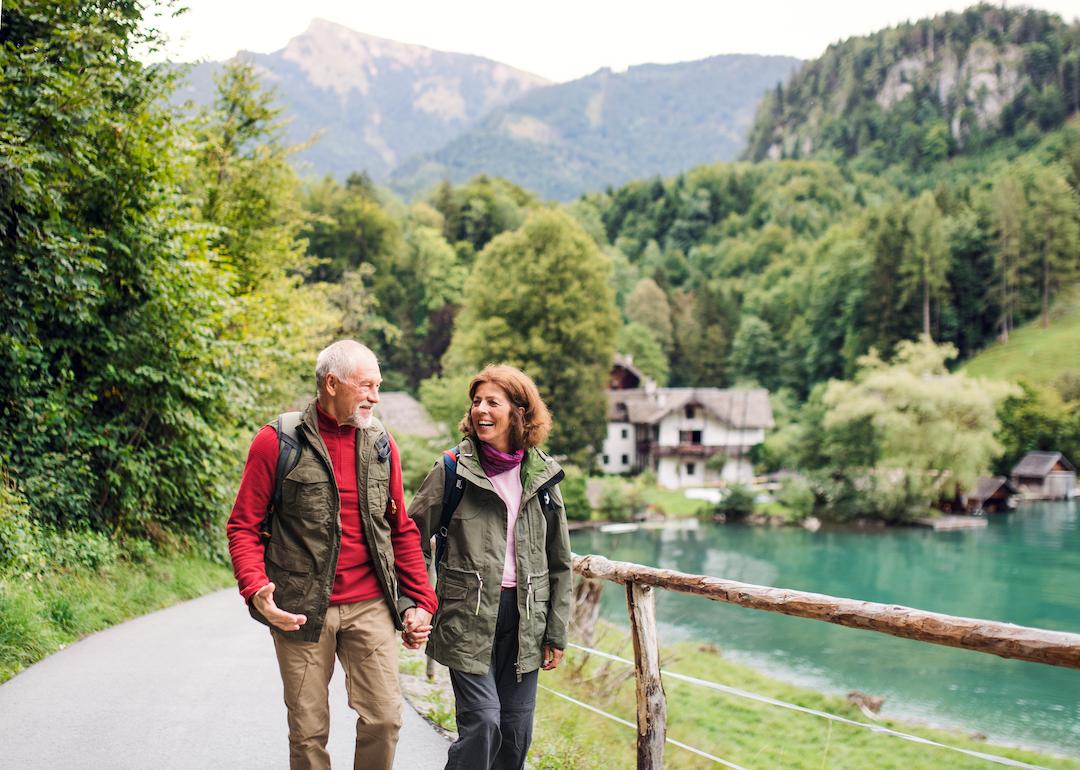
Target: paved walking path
194 686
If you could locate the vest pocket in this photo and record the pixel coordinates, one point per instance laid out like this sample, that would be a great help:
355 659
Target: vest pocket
306 491
290 571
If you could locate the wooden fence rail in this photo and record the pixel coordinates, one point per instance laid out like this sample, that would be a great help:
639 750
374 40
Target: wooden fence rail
1054 648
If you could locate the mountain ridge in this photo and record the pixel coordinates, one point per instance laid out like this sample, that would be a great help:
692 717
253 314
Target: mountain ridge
608 127
374 101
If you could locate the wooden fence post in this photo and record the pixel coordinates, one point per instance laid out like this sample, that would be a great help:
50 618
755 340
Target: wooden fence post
586 609
651 702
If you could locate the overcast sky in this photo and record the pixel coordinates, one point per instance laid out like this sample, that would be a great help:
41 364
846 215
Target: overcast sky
559 39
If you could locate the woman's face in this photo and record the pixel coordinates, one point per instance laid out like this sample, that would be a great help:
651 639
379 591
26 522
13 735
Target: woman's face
490 413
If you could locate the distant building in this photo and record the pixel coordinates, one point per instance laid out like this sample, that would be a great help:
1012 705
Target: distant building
404 415
1045 475
676 432
991 494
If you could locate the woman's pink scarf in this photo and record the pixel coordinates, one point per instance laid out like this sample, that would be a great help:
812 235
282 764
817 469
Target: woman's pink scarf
495 462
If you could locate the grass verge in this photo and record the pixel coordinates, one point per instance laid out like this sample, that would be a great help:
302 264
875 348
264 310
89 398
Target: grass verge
748 733
736 729
44 613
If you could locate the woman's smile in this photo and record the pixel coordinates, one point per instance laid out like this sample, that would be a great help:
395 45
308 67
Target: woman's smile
491 416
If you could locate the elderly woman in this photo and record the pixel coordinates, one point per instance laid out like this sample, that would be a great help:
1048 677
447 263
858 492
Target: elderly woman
505 571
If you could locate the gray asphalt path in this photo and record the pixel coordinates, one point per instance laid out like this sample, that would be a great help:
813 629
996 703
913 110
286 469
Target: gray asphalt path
194 686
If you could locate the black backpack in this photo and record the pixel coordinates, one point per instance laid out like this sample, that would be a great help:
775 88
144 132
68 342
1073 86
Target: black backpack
288 455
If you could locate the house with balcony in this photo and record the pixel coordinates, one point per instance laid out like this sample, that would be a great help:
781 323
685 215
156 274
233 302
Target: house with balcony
687 436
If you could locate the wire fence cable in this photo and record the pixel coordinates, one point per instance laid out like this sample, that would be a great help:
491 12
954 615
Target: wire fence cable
823 714
632 726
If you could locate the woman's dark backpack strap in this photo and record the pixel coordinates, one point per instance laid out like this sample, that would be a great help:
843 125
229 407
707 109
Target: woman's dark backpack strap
547 502
288 436
453 491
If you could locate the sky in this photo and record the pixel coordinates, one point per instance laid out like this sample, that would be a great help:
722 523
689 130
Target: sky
558 39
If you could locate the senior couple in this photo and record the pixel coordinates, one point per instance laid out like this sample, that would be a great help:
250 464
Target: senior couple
328 558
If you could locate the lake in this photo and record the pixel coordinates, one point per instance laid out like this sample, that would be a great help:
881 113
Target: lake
1023 568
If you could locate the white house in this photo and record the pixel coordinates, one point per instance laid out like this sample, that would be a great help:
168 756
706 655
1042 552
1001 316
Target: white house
677 431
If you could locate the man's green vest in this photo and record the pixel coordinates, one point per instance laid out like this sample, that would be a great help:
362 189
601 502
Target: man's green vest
302 555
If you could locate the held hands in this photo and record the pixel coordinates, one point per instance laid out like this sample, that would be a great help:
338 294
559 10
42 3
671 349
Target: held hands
552 658
417 622
264 603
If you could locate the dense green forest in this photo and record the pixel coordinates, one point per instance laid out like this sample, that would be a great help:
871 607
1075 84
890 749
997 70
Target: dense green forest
922 92
169 278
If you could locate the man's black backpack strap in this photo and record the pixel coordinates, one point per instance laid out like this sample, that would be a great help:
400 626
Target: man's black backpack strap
288 434
453 491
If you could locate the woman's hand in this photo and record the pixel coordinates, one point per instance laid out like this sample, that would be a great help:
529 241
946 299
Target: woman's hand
552 658
417 623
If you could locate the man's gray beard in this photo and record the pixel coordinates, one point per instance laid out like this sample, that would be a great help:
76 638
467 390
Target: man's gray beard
357 420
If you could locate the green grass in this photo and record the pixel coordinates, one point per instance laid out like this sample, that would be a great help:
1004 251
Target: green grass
44 614
736 729
1033 353
672 502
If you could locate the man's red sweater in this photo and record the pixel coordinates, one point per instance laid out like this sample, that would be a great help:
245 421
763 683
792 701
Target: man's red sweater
355 579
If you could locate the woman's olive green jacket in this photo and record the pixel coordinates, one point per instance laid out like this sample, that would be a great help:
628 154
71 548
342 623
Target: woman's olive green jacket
471 573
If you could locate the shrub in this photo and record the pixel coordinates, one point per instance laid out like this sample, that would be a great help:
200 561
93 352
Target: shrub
737 504
573 493
797 497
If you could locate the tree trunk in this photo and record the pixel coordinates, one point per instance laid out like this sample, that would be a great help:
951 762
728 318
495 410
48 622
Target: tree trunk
926 309
1046 293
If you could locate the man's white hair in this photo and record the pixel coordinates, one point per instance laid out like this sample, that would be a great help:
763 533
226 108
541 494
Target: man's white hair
342 358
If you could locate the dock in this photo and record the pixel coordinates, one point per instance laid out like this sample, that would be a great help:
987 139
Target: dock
945 523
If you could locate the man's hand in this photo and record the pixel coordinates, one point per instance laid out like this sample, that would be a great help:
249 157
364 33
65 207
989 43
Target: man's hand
417 622
264 603
552 658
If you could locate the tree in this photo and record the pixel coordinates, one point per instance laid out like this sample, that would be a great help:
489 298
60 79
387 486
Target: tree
540 299
1037 418
242 184
935 430
121 392
1008 207
925 265
648 306
638 342
1054 236
754 352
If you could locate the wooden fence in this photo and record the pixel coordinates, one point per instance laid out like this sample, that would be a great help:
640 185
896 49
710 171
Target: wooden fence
1054 648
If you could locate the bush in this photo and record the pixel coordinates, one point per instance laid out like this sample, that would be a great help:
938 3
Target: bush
737 504
797 498
573 493
418 457
21 554
616 499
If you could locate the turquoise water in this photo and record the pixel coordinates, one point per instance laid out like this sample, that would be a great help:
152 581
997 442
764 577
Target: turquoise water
1024 568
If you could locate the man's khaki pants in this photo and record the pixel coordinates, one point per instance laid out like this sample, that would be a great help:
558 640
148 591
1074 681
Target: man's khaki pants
363 637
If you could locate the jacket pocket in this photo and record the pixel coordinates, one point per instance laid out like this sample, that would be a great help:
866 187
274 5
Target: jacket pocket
534 622
456 626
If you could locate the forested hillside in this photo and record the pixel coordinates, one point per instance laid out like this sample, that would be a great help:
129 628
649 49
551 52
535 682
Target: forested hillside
922 92
608 128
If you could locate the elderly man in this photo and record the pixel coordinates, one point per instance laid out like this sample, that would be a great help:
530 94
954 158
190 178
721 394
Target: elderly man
341 567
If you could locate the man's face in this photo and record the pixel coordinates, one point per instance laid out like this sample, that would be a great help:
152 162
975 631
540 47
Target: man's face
356 396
